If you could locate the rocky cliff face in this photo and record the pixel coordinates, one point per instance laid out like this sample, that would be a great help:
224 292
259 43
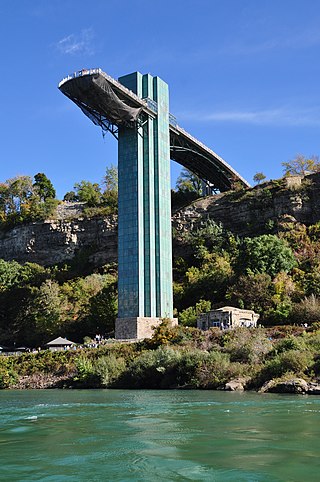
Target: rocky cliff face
265 208
60 240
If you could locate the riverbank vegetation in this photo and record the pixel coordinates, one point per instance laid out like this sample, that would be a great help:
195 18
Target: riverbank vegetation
176 357
275 273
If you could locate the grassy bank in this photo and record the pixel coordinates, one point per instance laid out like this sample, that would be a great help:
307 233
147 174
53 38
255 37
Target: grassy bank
176 357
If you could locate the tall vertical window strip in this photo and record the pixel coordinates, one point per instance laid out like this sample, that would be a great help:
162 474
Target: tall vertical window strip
162 201
145 264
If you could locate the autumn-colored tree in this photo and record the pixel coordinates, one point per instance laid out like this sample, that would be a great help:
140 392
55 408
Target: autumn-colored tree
254 291
301 165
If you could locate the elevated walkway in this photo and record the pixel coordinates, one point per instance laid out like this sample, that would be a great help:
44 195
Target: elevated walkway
109 104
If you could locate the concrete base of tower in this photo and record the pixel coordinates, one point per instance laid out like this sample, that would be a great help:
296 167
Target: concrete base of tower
137 328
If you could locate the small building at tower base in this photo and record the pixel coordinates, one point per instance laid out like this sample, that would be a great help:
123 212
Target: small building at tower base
228 317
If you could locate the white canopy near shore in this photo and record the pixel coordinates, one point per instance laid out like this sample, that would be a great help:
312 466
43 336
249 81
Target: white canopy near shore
59 344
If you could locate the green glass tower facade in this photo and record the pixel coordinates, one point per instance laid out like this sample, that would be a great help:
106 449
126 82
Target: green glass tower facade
144 238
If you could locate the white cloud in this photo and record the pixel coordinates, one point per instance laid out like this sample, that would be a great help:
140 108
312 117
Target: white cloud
77 44
276 117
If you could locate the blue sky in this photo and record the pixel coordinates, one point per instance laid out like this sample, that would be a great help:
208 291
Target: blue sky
243 78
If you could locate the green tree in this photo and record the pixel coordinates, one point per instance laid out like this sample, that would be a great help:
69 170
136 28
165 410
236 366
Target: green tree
189 182
259 177
14 274
43 187
208 282
91 305
88 192
188 317
110 179
49 310
110 194
10 274
301 165
103 311
16 326
70 196
266 254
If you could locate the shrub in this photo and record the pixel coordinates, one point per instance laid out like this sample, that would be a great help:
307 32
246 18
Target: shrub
189 368
312 341
294 361
148 370
85 373
44 362
108 369
167 367
163 334
308 310
290 343
8 377
218 370
188 317
247 346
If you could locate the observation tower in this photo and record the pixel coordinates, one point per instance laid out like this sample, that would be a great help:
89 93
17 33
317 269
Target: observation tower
135 110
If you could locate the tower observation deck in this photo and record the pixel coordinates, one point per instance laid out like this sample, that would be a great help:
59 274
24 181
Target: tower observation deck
109 104
135 110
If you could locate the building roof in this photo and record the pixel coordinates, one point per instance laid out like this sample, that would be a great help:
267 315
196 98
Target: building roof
233 308
60 342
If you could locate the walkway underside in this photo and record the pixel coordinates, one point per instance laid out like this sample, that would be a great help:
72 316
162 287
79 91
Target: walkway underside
109 104
202 161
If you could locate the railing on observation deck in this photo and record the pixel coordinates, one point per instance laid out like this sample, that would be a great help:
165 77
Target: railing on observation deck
80 73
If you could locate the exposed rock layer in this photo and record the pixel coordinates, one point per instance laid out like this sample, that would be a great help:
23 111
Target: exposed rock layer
266 208
60 240
262 209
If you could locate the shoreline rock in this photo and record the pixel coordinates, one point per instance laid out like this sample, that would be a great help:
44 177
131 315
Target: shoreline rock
236 385
292 385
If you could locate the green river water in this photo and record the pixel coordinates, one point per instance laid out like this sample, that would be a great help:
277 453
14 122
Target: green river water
122 435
